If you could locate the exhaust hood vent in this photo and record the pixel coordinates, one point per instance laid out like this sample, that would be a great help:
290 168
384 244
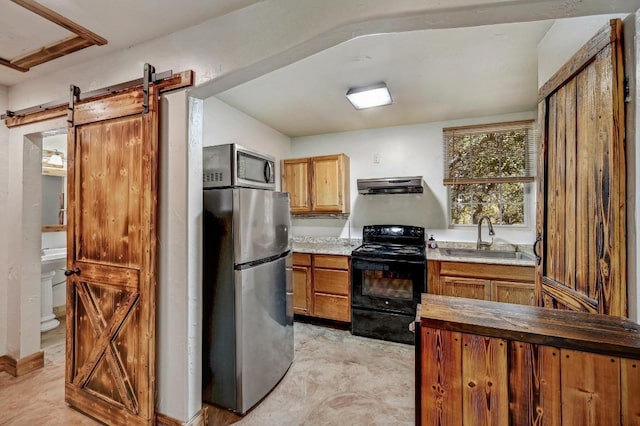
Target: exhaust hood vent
395 185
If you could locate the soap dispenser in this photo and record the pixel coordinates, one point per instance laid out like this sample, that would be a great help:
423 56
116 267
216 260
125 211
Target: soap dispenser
431 242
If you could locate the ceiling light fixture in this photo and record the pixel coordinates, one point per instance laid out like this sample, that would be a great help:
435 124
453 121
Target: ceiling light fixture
369 96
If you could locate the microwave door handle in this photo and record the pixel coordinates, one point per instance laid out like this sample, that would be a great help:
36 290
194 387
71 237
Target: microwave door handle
267 171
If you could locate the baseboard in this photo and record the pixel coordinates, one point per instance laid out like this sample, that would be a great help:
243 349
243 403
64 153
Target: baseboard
60 312
200 419
22 366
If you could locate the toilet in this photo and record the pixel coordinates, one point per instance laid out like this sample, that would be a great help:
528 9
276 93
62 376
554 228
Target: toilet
52 259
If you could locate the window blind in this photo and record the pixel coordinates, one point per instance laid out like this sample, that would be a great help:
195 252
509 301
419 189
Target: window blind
490 153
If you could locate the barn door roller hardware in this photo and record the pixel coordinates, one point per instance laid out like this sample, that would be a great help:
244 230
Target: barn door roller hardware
74 96
150 76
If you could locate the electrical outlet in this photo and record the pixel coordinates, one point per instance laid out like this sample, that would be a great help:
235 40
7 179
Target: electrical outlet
376 158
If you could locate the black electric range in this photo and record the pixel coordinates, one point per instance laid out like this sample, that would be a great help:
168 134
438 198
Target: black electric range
388 275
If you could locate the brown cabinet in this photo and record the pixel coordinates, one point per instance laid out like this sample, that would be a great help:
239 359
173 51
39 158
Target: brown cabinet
322 286
491 363
317 185
500 283
301 283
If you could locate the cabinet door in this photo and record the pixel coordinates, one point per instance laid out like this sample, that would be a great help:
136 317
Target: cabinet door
301 290
328 184
295 181
465 287
332 307
581 205
512 292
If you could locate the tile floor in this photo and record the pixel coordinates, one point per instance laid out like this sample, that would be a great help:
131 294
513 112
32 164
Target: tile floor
336 379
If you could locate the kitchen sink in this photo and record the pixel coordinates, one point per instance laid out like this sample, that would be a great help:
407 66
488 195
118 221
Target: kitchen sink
492 254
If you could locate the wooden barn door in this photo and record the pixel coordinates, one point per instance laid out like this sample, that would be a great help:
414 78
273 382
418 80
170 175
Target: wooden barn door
111 239
581 187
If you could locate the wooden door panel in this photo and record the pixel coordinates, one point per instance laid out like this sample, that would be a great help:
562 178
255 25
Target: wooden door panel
569 249
109 191
590 388
110 370
581 192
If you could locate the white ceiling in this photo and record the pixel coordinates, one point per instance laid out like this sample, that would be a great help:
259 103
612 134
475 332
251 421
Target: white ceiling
433 75
123 23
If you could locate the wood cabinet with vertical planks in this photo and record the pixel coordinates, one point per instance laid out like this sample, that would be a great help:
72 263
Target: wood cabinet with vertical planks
483 362
317 185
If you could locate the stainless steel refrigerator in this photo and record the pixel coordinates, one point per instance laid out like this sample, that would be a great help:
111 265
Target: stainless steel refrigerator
247 289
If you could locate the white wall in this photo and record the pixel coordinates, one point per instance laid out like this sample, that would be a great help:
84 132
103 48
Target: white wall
4 177
178 298
413 150
22 236
563 40
225 124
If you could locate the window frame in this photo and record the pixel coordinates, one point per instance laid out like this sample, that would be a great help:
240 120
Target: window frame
529 187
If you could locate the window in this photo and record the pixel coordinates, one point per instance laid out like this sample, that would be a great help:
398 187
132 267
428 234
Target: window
486 169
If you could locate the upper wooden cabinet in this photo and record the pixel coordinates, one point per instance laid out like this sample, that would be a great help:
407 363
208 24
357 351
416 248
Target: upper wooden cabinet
317 185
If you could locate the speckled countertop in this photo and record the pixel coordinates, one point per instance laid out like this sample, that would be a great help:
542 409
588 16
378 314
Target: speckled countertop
342 246
439 253
324 245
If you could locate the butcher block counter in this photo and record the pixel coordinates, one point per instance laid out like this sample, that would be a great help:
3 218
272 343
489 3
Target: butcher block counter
483 362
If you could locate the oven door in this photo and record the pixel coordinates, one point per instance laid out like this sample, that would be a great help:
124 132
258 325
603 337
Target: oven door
384 284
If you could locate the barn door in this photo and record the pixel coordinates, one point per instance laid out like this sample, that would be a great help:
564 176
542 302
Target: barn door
581 188
111 238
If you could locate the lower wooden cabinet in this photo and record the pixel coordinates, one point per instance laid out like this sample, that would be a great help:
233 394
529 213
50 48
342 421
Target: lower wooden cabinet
500 283
322 286
301 283
486 363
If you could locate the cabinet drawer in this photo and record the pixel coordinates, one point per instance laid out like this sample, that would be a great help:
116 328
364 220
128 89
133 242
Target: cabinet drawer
331 261
301 259
331 281
332 307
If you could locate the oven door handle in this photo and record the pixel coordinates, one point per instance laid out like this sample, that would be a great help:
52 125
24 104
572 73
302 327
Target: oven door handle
387 260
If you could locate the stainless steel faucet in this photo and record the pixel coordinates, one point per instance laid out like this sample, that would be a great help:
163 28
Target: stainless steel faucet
484 244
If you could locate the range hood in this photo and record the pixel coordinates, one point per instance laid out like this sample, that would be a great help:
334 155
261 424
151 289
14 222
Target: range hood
394 185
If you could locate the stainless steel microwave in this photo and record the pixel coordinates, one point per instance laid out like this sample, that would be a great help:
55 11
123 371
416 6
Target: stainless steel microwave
232 165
